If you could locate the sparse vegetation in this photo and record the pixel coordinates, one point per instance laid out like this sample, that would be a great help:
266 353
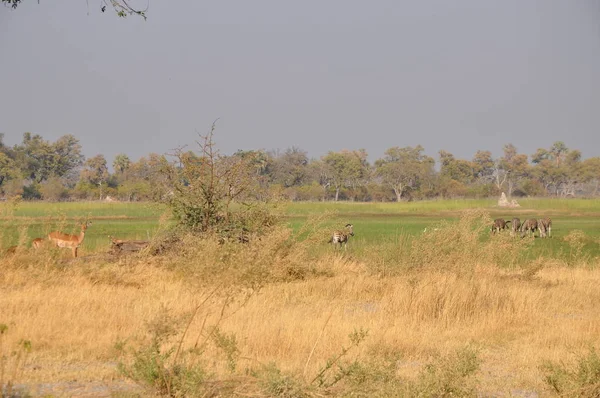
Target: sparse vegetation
448 376
579 379
12 364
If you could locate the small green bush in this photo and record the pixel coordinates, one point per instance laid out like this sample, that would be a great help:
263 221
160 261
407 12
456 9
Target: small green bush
581 379
448 376
275 383
14 363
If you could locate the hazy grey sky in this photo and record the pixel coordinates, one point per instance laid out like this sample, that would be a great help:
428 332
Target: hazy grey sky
458 75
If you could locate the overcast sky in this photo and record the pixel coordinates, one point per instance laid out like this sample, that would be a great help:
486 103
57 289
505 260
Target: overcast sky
320 75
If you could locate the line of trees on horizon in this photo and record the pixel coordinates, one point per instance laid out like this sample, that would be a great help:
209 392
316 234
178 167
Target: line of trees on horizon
37 169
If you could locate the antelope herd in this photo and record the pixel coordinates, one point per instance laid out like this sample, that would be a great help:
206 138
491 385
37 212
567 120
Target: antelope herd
528 227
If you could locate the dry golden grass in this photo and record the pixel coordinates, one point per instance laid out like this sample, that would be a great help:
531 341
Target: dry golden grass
76 313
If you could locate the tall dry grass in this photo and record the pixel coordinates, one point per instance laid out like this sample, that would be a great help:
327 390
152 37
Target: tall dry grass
290 303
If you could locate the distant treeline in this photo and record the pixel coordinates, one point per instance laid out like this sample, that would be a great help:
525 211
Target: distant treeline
37 169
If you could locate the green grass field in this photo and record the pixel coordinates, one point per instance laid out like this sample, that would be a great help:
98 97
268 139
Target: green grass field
30 220
374 223
397 222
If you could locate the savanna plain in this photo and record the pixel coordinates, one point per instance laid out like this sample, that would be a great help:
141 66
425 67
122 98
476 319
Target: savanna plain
423 301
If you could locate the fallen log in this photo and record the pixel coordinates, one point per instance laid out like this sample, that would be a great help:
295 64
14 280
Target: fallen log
127 246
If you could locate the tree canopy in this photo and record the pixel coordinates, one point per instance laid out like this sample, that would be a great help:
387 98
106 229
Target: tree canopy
121 7
37 168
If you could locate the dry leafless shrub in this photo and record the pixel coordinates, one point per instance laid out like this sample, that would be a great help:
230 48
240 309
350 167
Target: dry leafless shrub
209 192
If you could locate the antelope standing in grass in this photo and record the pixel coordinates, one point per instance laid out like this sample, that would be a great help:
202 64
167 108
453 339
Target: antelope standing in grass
529 227
499 224
542 228
342 236
69 241
11 250
547 225
515 226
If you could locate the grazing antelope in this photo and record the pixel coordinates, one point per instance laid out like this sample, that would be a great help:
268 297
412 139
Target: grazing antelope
499 224
11 250
342 237
529 227
542 228
547 223
37 243
69 241
515 226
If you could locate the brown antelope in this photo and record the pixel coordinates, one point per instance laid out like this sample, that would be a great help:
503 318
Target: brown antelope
115 241
542 228
37 243
529 227
69 241
499 224
342 237
547 225
11 250
515 226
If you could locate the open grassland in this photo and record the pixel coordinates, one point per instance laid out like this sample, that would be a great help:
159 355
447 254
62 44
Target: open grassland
451 311
374 222
26 221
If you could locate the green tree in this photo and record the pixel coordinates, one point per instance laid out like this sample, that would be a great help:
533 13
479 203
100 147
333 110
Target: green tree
53 189
34 157
483 166
540 155
8 169
121 163
290 168
403 168
143 180
459 170
39 159
95 173
120 7
511 168
545 171
591 173
558 151
258 160
558 168
67 156
345 169
573 172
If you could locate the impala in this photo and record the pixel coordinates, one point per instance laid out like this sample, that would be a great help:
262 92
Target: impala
342 237
67 241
